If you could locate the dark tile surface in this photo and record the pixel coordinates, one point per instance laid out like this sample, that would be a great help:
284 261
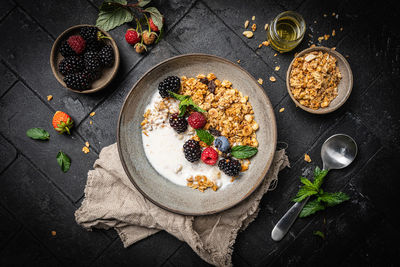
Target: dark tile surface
43 209
37 198
15 123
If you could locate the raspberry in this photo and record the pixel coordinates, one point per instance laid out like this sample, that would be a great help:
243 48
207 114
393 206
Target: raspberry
77 81
132 36
106 56
92 61
222 144
179 124
71 65
197 120
230 166
89 33
192 150
171 83
66 50
77 43
153 27
209 156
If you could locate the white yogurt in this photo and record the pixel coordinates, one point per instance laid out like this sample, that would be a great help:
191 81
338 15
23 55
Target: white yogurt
164 150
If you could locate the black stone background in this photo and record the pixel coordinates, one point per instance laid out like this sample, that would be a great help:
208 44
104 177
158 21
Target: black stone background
37 198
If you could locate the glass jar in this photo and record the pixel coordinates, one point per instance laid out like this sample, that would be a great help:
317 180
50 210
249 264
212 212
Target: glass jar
286 31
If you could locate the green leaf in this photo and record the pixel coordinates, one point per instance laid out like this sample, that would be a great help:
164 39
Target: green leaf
332 199
178 96
186 101
307 182
38 133
160 36
113 14
182 110
194 106
311 208
320 234
64 161
243 152
155 16
319 176
205 136
143 3
304 192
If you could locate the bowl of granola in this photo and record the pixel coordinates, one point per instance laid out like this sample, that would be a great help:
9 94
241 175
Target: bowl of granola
196 134
319 80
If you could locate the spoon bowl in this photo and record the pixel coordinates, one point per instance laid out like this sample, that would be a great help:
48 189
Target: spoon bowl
338 151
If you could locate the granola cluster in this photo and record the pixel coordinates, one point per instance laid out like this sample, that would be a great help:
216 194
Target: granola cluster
201 183
314 79
228 110
158 116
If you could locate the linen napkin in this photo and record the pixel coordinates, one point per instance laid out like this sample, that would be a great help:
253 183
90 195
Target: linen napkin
111 200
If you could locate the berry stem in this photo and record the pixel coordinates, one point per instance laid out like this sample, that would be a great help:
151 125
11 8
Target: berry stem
147 20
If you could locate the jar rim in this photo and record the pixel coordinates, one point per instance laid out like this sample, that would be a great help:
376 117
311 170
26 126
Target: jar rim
296 16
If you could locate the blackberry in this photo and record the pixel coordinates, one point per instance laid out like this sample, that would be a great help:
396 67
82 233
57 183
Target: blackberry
179 124
106 56
171 83
92 61
89 33
77 81
66 50
192 150
94 46
72 64
91 75
230 166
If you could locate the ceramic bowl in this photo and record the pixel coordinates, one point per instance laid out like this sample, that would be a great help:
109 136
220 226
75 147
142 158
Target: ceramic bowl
345 85
107 73
161 191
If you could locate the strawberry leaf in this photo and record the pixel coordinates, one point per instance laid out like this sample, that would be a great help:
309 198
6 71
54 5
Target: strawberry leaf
143 3
112 14
64 161
155 16
38 134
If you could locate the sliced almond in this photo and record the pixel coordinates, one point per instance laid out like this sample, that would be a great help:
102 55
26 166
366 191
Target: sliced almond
248 34
246 24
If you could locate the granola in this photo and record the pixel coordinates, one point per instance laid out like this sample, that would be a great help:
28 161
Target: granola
314 79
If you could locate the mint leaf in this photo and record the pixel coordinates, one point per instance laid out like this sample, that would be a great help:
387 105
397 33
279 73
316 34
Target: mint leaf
311 208
307 182
186 101
143 3
178 96
113 14
182 110
64 161
319 176
205 136
194 106
304 192
243 152
320 234
332 199
155 16
38 133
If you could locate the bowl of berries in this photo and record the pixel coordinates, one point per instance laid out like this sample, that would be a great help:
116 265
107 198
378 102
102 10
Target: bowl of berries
84 59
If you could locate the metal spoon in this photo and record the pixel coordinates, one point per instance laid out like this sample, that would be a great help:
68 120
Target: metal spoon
337 152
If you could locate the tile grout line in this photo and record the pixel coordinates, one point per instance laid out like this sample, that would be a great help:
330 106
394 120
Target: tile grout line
36 22
8 13
172 254
102 252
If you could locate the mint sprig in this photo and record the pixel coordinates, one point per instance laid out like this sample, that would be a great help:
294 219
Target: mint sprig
205 136
64 161
185 102
38 133
322 199
243 152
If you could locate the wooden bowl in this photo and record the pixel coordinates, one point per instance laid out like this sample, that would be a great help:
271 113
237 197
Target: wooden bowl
345 85
163 192
107 73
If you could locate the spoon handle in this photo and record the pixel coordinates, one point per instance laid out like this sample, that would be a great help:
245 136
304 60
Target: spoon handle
284 224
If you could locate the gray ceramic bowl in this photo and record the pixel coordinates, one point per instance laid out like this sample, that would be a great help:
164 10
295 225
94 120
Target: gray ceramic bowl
161 191
345 85
107 73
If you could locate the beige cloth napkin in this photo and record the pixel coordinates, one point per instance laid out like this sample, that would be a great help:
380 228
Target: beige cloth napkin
112 201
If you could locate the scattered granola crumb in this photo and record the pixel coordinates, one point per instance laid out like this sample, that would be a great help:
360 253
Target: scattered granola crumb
246 24
260 45
275 54
282 110
201 183
326 36
265 43
307 158
320 38
53 233
253 18
333 14
85 149
90 122
248 34
341 29
266 26
277 68
49 97
254 27
315 22
92 114
260 81
333 32
325 15
272 79
87 144
238 61
313 45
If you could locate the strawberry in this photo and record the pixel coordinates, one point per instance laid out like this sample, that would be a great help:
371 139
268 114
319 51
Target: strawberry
62 122
132 36
149 37
140 48
153 27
